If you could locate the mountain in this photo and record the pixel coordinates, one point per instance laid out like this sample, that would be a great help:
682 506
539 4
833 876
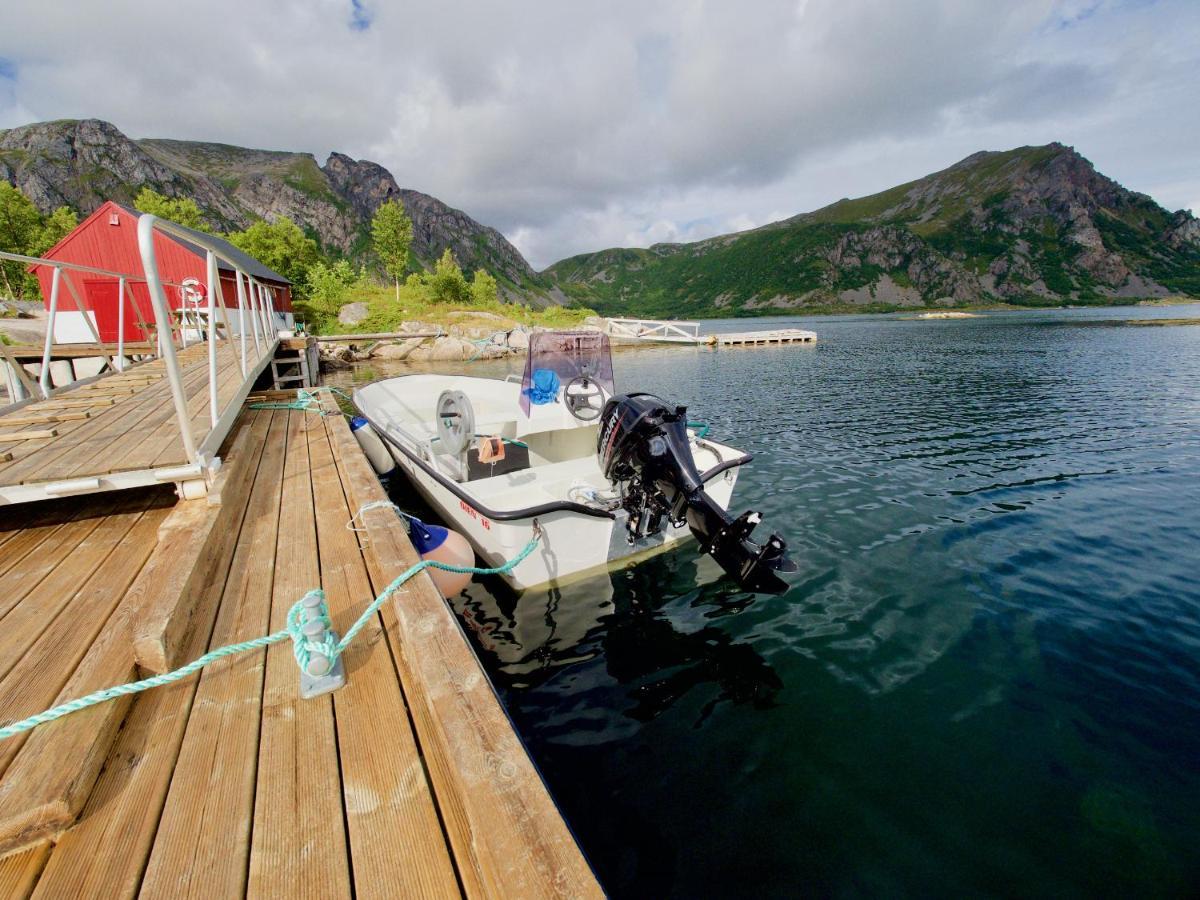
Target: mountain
82 163
1031 226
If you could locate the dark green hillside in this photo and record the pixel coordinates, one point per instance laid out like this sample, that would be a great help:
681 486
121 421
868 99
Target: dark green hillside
1032 226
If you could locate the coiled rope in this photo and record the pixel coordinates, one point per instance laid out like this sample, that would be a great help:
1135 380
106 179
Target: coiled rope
310 607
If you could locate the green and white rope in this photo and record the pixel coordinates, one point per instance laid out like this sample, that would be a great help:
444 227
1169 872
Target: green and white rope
303 648
306 401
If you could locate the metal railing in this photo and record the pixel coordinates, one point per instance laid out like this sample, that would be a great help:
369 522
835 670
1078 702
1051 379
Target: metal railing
653 330
256 320
166 333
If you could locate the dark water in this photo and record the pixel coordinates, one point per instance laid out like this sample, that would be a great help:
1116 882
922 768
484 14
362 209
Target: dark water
985 679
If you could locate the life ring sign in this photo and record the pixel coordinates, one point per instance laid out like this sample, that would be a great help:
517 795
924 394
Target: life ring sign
192 291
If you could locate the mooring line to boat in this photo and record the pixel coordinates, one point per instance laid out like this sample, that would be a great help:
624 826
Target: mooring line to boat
306 401
309 610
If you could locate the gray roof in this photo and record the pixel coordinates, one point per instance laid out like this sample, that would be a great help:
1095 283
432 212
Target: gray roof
239 258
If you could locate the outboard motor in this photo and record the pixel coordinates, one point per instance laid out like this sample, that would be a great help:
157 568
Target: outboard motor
644 452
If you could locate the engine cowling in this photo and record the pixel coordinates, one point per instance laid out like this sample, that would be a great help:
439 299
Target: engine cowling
644 451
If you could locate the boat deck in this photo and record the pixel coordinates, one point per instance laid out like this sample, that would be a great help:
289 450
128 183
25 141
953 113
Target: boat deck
409 781
116 430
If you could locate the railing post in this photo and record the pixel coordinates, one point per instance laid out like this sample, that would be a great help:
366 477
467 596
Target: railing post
121 325
163 315
246 296
213 287
44 376
241 299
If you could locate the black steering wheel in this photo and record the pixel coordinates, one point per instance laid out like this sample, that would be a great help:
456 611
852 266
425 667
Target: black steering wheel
587 401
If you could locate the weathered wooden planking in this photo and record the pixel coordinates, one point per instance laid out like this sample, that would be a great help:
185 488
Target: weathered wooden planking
33 434
180 587
396 841
106 446
141 407
202 845
508 837
19 872
77 402
65 415
47 783
299 844
35 680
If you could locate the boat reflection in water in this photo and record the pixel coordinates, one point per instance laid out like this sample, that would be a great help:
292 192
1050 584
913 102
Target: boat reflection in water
646 632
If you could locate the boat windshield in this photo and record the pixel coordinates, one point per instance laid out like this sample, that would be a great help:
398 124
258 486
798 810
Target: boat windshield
556 358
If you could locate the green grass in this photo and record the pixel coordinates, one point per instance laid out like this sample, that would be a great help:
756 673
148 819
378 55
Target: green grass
417 305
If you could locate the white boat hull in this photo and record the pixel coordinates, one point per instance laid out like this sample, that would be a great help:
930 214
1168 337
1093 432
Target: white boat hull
488 512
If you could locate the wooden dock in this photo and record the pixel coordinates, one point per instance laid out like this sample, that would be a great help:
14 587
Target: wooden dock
408 782
112 432
754 338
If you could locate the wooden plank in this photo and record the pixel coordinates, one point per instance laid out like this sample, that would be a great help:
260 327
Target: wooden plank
76 402
19 872
179 589
53 773
33 434
396 842
34 682
299 838
143 407
202 845
507 835
89 450
55 416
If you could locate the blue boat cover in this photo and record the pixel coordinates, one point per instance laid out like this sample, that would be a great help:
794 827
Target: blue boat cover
543 388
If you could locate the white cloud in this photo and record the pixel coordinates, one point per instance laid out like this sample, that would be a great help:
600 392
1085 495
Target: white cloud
573 128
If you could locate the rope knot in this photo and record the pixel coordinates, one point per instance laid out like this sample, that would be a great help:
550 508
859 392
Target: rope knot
311 630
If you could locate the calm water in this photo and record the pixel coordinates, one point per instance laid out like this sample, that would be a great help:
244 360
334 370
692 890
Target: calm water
986 676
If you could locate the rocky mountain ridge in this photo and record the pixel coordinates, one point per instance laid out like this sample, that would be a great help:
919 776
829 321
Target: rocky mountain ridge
1032 226
82 163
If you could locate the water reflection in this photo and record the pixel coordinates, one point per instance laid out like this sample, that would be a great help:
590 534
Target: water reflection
647 625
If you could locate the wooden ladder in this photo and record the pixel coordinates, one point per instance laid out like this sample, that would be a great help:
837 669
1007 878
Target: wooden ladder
295 366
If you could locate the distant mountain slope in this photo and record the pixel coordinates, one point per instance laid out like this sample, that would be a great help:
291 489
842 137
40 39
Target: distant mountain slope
1035 225
83 163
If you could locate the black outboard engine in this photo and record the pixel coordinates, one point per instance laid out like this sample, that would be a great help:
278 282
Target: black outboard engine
644 452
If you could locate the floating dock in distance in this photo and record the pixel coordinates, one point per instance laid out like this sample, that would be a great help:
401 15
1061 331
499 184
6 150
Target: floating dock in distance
666 331
407 782
752 338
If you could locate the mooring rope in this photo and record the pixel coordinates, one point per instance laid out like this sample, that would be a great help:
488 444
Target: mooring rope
306 401
310 607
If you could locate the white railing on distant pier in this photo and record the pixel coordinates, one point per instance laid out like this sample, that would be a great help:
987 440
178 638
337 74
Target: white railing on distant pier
653 330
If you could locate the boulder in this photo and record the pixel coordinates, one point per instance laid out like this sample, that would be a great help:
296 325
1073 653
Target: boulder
352 313
518 339
402 350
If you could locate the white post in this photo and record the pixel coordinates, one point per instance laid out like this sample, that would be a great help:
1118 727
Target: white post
44 377
245 295
121 325
213 287
241 302
162 314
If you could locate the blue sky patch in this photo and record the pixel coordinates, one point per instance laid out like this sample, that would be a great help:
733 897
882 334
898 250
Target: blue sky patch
8 69
360 17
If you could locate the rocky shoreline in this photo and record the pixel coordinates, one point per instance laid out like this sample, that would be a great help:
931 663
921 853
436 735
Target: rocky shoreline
496 338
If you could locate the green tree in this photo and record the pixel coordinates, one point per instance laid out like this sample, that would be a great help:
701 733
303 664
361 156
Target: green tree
180 210
483 289
327 285
280 245
391 236
447 282
20 230
56 226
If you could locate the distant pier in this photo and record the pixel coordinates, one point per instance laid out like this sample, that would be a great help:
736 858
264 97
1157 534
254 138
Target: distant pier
666 331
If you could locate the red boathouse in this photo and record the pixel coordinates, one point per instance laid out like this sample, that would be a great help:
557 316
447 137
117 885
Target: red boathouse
107 239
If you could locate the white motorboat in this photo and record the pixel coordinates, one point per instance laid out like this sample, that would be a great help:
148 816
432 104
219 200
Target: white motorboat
606 478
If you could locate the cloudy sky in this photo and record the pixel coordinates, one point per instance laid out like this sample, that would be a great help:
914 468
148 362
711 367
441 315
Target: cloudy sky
573 127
